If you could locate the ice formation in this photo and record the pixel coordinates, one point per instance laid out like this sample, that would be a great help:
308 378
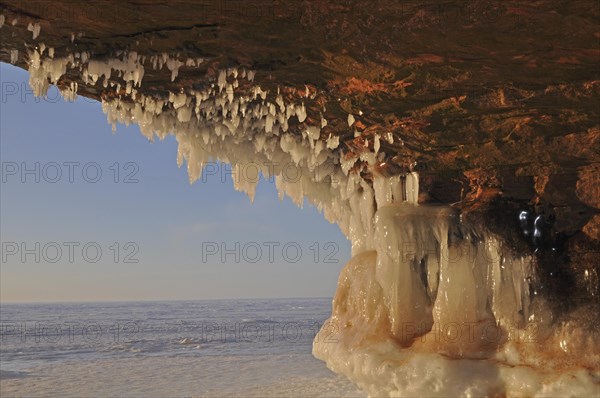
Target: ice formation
439 308
34 29
218 124
14 56
428 305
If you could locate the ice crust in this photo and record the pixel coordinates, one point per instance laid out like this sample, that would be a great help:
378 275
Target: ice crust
418 274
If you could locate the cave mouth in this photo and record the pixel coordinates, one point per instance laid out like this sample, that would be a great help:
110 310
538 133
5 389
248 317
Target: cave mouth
425 280
488 230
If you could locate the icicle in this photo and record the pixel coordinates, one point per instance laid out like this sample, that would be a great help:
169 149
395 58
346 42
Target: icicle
35 29
389 137
222 80
14 56
412 188
376 143
174 65
301 113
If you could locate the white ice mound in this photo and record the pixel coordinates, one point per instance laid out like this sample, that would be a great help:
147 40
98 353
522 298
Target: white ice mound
440 309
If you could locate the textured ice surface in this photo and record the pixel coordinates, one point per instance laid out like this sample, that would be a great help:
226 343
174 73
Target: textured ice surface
182 376
213 348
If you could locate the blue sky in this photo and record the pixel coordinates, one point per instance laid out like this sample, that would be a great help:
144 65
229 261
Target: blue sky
161 221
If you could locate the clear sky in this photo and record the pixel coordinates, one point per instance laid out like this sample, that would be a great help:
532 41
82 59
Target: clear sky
175 231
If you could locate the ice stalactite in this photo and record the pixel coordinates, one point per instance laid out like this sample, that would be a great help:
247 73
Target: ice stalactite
14 56
428 305
34 29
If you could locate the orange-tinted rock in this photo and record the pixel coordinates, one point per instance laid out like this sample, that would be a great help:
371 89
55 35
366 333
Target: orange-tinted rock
490 104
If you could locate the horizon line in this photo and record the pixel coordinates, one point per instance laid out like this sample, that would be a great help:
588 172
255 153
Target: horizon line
4 302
